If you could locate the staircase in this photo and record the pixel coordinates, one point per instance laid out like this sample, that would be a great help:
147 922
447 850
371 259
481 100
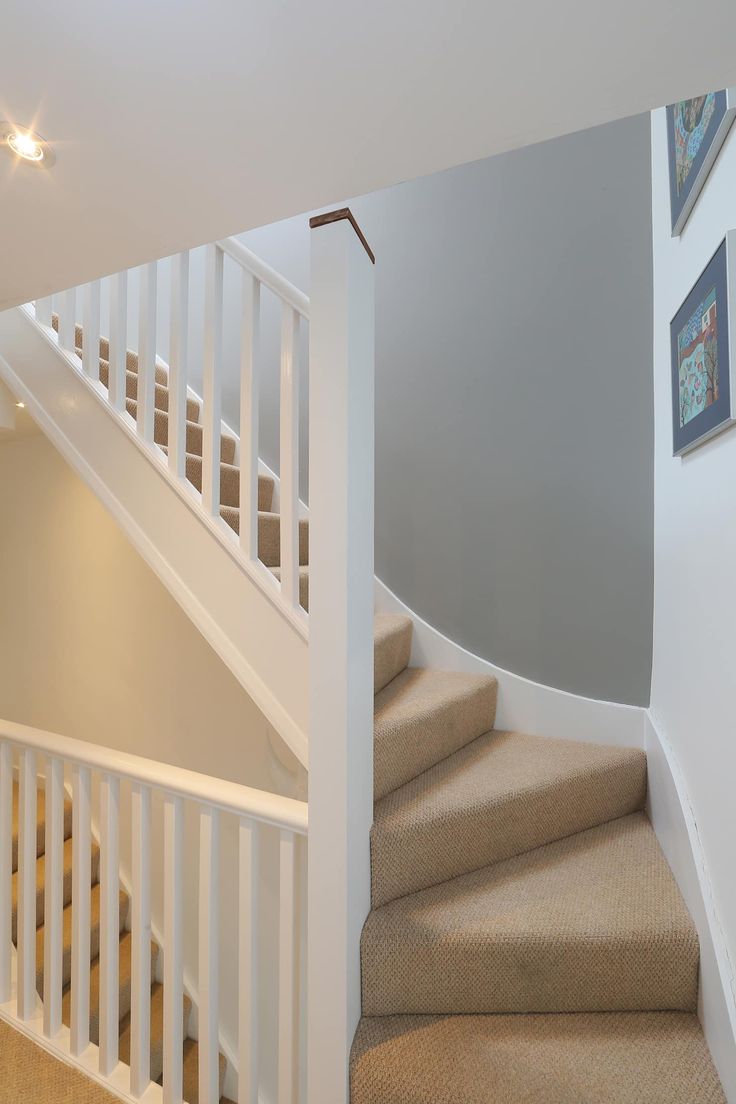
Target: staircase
527 942
190 1065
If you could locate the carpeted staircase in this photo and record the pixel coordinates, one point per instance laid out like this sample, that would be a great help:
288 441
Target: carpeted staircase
527 942
190 1057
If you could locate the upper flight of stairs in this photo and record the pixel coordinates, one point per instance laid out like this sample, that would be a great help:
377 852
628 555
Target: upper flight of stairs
269 535
527 942
190 1058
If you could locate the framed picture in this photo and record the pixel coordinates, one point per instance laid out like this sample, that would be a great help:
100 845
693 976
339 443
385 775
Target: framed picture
696 130
703 354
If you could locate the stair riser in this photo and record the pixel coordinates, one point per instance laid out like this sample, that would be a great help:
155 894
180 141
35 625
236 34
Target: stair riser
41 885
194 434
593 977
94 940
392 652
404 862
269 536
40 827
162 392
230 484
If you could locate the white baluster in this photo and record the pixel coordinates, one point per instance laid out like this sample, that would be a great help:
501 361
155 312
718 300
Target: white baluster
249 351
67 311
44 311
178 358
147 350
212 383
173 961
140 1002
91 331
118 339
248 1064
289 451
53 897
26 925
209 858
287 1002
341 366
81 891
6 869
109 923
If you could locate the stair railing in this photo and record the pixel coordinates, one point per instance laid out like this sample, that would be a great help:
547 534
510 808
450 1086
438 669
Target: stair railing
161 799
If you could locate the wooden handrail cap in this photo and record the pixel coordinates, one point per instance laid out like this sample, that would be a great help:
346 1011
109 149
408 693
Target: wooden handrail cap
337 216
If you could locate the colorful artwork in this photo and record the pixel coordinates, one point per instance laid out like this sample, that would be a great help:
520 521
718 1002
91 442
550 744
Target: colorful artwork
697 343
702 373
692 119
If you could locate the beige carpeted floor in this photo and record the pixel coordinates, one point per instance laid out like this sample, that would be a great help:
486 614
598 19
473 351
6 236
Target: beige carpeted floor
29 1075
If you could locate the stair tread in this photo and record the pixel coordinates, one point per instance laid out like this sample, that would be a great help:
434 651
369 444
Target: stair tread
269 535
593 922
392 636
191 1071
125 954
424 715
41 881
66 937
40 821
157 1030
501 795
606 1058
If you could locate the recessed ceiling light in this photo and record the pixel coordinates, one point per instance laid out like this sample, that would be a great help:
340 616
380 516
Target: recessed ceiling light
26 145
21 406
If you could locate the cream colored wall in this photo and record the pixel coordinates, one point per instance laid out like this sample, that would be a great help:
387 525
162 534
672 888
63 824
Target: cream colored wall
93 646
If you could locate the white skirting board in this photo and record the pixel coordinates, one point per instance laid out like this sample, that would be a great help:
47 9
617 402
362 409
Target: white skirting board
677 831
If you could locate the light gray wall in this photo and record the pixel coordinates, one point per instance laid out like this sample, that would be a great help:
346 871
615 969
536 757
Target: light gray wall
514 418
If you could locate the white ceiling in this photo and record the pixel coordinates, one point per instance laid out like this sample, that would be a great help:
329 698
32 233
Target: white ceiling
176 123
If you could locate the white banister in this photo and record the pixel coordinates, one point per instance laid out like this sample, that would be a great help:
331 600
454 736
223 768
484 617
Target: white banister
178 358
341 367
250 337
209 1051
109 922
287 1005
26 922
81 894
91 330
53 897
118 339
212 383
6 869
147 350
248 1055
266 275
173 969
67 319
44 311
140 907
289 456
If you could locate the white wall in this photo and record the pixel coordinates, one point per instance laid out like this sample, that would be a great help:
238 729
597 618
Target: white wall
694 644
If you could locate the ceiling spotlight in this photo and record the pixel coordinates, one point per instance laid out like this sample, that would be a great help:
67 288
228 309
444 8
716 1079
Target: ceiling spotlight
21 406
26 145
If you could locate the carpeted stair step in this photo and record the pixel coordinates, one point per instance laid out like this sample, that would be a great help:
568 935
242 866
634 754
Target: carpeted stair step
392 635
423 716
191 1072
229 483
125 986
157 1031
131 358
591 923
162 391
501 795
269 535
614 1058
303 583
40 822
194 433
41 883
66 939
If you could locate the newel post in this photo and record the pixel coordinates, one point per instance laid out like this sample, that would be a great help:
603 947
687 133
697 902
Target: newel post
341 414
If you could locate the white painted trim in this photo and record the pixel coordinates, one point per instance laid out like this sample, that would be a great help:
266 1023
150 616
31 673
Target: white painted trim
523 705
674 821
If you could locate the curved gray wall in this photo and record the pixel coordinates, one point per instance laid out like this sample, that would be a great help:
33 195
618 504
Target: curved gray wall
514 420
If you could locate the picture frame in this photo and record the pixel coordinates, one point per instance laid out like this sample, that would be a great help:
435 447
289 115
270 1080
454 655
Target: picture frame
696 130
703 353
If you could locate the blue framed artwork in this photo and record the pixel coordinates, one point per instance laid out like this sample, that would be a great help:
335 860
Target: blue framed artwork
703 361
696 130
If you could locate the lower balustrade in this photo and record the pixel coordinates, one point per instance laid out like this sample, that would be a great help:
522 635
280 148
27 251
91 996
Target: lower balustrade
96 846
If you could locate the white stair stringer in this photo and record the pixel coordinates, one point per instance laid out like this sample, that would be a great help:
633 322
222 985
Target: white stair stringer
234 605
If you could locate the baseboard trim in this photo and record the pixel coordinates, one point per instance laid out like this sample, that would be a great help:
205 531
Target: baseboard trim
676 826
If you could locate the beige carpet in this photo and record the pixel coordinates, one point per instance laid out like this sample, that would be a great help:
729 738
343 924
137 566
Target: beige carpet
29 1075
